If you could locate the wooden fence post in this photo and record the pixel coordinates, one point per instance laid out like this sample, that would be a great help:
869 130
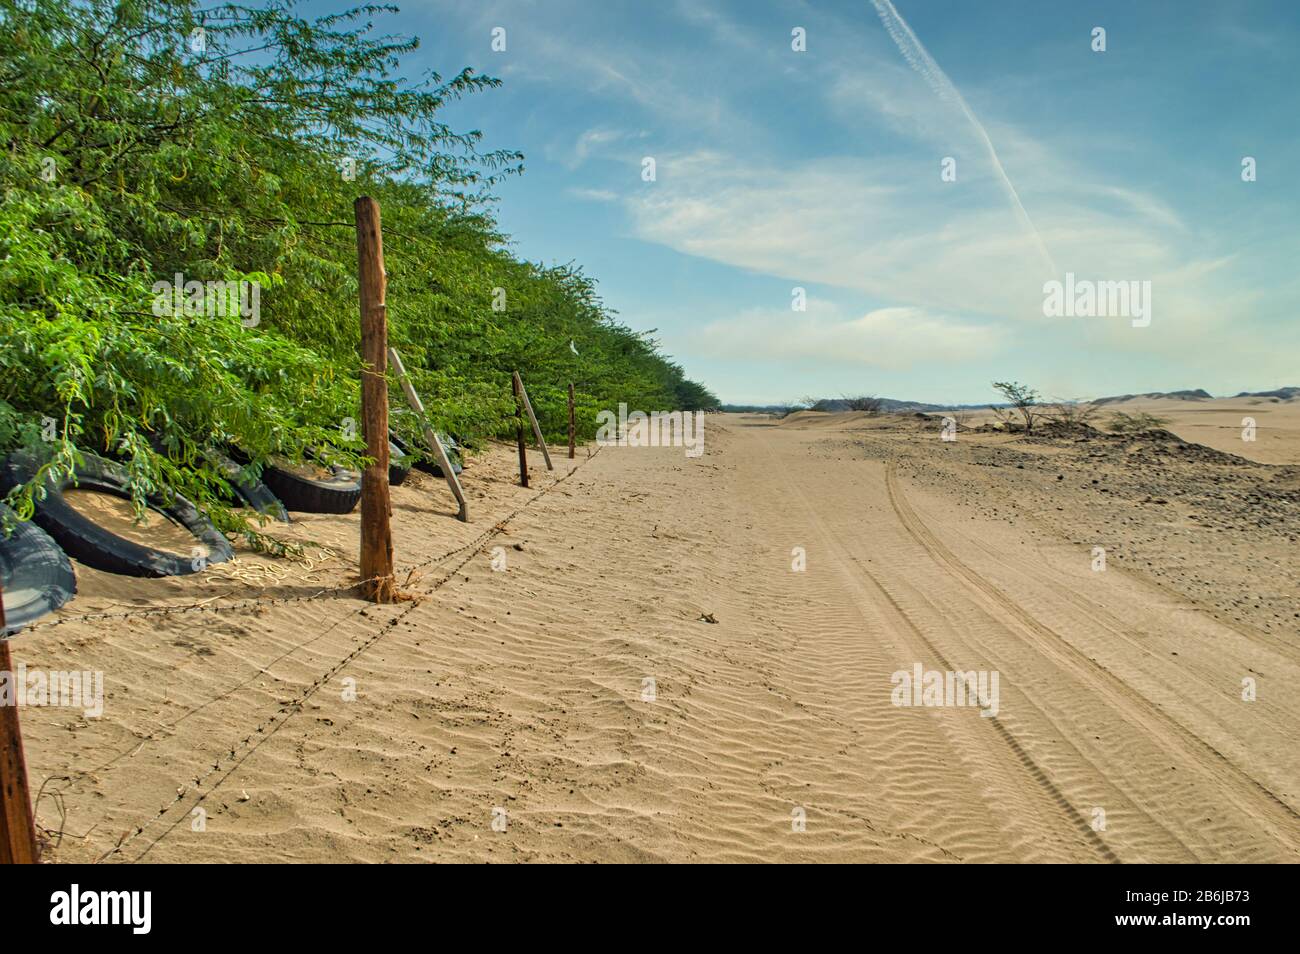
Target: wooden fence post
572 428
517 388
376 508
537 430
430 435
17 827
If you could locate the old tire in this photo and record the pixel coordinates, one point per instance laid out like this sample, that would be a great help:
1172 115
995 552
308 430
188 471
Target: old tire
255 493
425 463
89 543
36 575
399 463
338 493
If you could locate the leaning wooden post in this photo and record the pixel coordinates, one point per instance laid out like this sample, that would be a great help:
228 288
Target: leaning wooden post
17 827
537 430
572 428
376 508
519 430
430 435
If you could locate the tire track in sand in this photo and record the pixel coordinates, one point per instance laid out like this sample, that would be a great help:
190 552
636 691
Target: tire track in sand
1041 781
1106 683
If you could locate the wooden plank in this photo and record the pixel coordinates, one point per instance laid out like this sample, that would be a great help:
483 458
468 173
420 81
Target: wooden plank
572 427
430 435
537 430
18 844
519 430
376 505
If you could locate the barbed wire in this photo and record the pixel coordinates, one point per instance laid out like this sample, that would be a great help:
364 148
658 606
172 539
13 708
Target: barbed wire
477 543
241 751
498 526
196 607
256 602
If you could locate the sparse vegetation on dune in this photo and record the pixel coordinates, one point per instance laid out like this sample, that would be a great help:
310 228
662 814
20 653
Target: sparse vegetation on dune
866 402
1136 423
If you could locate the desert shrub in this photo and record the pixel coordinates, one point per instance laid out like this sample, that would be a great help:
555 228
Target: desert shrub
1071 415
866 402
1124 423
1023 400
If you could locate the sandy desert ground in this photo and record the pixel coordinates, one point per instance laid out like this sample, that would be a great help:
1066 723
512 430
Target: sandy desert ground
650 677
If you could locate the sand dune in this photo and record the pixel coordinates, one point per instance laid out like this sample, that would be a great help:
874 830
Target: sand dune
651 678
1218 422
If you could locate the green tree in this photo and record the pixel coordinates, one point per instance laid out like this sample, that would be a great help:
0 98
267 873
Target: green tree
1021 397
149 138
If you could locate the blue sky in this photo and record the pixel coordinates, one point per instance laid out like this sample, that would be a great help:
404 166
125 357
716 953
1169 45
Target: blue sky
778 169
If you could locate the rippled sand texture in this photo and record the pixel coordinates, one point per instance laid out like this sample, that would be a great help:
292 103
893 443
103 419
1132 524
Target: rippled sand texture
648 679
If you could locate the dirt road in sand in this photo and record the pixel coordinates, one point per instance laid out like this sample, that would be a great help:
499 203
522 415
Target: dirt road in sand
694 659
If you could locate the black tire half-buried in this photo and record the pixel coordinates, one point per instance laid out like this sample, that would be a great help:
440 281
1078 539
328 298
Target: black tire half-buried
96 546
36 575
340 492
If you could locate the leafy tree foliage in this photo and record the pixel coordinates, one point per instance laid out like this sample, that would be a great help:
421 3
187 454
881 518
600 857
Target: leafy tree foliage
147 138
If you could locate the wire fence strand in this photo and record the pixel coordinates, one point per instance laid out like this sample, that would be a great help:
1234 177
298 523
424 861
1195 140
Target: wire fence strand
240 751
257 602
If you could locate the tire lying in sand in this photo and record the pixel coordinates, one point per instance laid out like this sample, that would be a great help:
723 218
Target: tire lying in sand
453 450
317 488
96 546
399 464
247 490
252 492
36 575
424 463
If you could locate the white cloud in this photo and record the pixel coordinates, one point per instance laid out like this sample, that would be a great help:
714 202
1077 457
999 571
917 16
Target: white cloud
594 195
589 142
884 228
894 339
858 204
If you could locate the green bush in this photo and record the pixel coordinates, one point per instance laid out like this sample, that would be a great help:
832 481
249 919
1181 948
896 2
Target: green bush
132 156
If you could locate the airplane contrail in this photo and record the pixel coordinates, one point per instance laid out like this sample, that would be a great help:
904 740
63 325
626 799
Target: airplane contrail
920 60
